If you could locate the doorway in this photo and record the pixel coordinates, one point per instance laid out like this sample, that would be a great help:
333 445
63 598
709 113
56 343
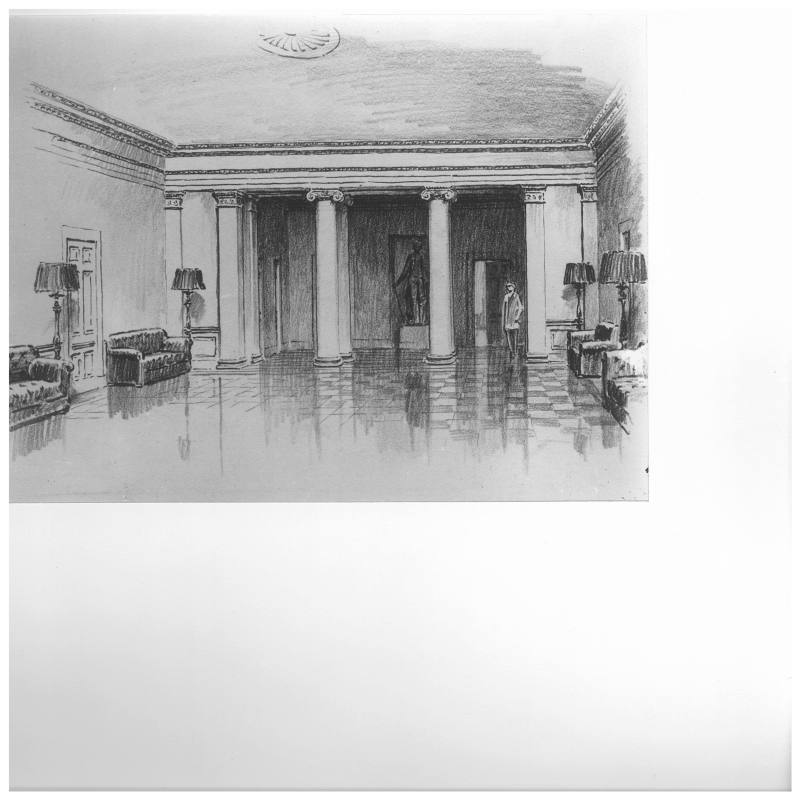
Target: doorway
84 310
489 288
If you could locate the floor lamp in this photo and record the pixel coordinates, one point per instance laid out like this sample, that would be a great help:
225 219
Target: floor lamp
623 267
187 280
57 279
580 275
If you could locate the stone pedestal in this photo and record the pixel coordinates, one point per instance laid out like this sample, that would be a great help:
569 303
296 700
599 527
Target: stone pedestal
414 337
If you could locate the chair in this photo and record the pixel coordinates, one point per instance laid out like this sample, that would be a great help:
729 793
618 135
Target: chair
37 387
585 348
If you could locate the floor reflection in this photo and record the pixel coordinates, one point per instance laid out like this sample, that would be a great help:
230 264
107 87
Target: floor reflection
383 428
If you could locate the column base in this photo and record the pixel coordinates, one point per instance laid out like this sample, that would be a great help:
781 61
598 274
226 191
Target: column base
256 358
439 361
536 358
230 363
347 358
327 361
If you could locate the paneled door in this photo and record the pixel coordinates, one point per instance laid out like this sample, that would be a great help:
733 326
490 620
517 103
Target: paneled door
82 316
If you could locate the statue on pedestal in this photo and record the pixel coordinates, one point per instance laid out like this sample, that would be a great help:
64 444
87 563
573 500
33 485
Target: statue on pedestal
411 287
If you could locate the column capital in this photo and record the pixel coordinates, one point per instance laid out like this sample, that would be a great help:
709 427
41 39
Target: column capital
533 194
335 195
439 193
173 200
588 193
232 199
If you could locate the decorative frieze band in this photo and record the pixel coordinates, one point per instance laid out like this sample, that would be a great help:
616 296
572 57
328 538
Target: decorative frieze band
439 193
232 199
336 195
533 194
173 200
588 194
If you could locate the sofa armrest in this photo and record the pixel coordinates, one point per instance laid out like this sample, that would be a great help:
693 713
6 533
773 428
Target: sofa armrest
177 344
573 337
124 365
53 371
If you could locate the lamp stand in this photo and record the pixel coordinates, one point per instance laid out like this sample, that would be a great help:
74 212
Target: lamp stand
187 319
580 289
57 334
622 289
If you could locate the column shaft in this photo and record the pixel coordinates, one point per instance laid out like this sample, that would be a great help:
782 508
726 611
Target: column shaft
251 296
230 246
589 252
442 339
173 256
327 275
535 273
345 345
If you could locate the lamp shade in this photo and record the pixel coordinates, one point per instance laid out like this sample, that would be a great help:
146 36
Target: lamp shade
582 272
56 278
187 279
623 266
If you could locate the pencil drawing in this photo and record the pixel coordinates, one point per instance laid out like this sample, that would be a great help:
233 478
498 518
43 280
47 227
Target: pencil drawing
325 261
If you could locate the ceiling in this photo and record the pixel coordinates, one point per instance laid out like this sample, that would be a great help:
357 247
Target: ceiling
206 79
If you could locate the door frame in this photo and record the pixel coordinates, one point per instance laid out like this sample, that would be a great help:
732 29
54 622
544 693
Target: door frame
508 264
88 235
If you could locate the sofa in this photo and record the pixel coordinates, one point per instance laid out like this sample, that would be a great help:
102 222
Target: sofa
37 387
585 349
135 358
625 384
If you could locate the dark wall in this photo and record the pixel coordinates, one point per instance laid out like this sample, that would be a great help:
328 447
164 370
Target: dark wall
370 224
483 230
620 202
286 232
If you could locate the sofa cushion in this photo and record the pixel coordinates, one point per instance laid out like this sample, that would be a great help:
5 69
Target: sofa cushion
146 341
620 389
20 358
30 393
163 359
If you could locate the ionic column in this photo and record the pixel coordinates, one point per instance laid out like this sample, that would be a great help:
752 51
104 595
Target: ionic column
230 249
535 308
345 345
440 300
251 298
173 256
591 298
327 266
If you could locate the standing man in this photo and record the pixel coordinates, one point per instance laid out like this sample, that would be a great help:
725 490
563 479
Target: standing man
512 311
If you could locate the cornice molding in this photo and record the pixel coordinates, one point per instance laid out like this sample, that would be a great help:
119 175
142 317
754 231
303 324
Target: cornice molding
426 168
437 146
612 110
59 139
84 115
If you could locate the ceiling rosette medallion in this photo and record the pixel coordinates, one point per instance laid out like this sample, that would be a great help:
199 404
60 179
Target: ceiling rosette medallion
310 44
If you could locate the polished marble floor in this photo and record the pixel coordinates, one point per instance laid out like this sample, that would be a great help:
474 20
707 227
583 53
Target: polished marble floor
383 428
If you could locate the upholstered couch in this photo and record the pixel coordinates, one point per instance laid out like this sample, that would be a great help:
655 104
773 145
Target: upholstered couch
625 384
585 348
37 387
146 356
